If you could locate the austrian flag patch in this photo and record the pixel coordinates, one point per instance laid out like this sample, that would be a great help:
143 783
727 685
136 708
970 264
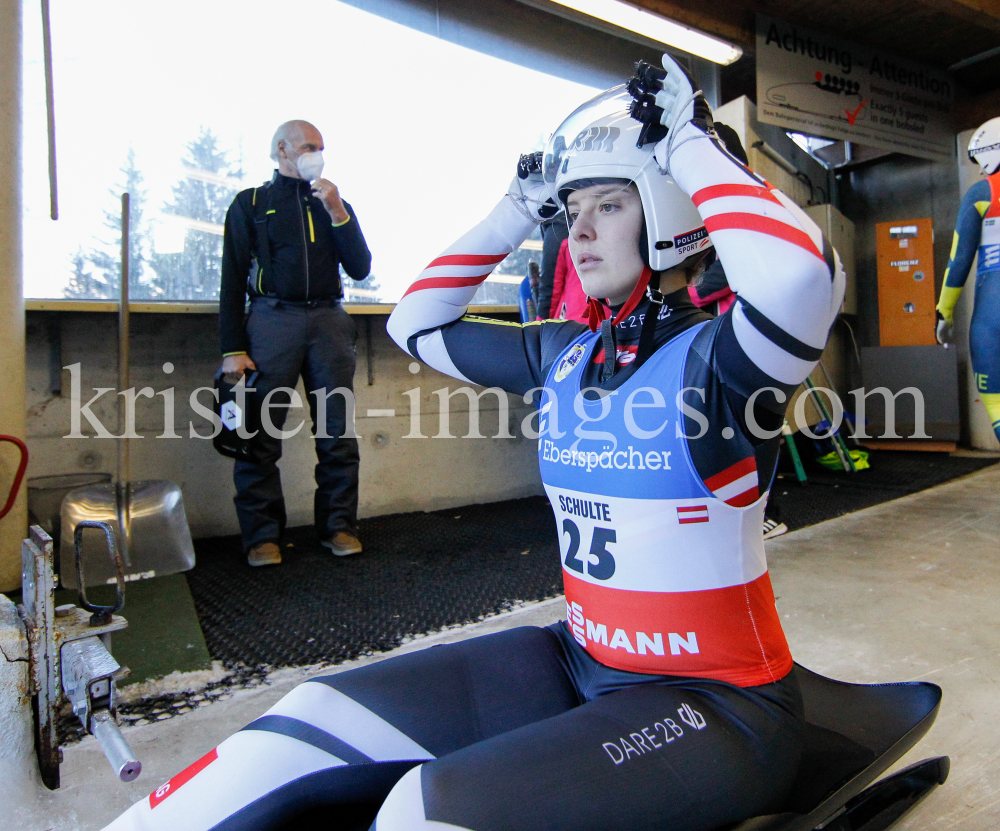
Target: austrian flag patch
692 513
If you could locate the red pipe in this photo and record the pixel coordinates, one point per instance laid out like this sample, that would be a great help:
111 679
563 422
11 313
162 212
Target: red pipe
18 477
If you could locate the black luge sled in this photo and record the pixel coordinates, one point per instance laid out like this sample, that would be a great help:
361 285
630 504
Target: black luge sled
854 733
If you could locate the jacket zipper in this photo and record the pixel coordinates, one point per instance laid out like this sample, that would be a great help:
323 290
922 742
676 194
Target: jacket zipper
305 242
260 268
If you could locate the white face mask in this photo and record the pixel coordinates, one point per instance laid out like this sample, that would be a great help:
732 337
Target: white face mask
310 165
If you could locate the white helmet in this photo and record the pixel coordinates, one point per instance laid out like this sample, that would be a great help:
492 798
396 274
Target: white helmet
984 148
598 141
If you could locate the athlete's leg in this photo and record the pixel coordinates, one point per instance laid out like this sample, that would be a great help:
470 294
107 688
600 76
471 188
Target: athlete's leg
348 738
984 344
669 758
992 403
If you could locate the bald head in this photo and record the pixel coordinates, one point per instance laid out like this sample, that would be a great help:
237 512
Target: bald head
291 140
290 133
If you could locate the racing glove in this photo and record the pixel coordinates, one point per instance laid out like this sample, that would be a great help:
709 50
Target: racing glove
945 331
529 192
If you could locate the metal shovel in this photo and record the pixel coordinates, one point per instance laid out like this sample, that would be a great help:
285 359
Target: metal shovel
148 516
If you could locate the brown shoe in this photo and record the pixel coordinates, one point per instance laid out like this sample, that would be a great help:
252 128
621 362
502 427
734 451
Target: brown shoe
264 554
343 544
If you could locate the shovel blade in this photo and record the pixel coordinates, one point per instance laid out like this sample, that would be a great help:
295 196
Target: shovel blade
159 540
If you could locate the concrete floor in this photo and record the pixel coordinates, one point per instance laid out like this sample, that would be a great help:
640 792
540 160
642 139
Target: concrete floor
902 591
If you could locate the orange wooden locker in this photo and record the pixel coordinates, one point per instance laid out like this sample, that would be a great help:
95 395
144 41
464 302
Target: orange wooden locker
905 255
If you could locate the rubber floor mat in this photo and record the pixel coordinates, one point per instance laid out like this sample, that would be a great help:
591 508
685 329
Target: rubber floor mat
421 572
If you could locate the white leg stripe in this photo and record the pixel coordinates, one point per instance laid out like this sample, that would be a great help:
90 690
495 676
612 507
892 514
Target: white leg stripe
403 809
333 712
250 765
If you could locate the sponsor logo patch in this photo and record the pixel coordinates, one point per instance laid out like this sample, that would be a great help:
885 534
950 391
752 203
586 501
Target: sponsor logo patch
569 361
624 355
652 737
691 241
596 139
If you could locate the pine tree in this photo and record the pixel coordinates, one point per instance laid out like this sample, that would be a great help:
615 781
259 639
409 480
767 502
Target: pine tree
105 258
204 196
360 291
84 283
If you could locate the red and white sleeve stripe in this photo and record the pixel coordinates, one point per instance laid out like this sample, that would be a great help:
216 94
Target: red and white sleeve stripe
773 254
442 292
737 485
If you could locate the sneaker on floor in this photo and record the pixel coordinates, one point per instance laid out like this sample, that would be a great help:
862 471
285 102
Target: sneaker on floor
773 528
264 554
343 544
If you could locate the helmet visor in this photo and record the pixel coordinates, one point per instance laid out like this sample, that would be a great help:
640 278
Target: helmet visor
577 133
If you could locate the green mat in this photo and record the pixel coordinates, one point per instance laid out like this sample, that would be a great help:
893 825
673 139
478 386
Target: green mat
163 633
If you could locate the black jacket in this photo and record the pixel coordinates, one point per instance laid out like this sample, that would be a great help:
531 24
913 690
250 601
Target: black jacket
304 255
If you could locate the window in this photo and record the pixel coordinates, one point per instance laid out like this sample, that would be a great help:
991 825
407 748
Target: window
178 102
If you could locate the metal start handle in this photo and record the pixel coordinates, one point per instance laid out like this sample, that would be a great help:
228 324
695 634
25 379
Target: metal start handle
120 756
101 614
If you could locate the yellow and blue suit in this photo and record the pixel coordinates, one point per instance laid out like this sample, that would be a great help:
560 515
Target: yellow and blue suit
977 231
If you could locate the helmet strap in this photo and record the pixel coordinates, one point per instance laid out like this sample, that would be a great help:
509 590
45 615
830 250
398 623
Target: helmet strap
647 335
595 308
648 284
595 313
635 296
610 349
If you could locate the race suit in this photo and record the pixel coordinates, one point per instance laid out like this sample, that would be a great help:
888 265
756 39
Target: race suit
664 700
977 232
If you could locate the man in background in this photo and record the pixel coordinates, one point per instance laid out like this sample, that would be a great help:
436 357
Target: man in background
284 245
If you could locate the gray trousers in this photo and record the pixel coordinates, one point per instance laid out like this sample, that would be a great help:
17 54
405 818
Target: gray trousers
316 342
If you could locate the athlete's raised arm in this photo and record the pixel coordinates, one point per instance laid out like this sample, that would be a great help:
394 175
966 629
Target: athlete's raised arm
788 282
430 321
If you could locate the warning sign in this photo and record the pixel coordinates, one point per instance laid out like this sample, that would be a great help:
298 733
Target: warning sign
816 84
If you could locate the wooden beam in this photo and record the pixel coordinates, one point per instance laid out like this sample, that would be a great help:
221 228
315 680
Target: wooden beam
733 20
971 112
985 13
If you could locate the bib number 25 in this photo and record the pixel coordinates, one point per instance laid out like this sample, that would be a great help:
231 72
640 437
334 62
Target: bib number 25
601 563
